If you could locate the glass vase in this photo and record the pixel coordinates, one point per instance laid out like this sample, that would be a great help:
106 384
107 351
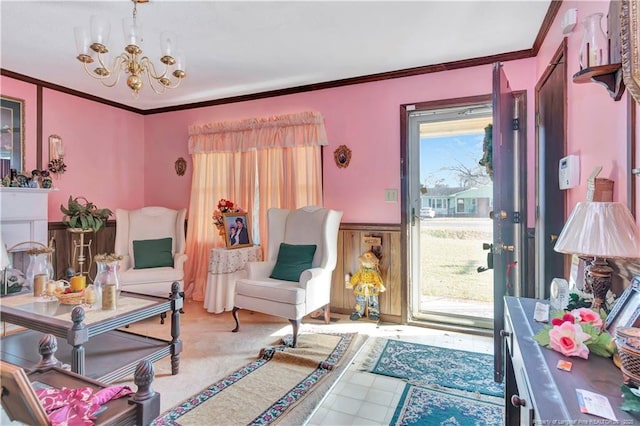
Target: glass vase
39 272
107 285
594 49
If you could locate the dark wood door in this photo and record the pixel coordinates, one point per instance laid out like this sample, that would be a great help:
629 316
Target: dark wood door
504 204
550 148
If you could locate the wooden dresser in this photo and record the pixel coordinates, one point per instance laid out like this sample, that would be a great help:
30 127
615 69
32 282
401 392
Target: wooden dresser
536 391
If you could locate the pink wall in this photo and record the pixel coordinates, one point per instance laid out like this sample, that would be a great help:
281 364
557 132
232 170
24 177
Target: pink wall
596 124
104 148
365 117
104 152
120 159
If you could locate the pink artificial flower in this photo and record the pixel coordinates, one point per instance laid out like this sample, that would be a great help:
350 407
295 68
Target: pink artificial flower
568 339
565 318
586 315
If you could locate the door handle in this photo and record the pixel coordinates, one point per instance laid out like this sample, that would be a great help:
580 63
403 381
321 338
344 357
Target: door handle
502 215
553 237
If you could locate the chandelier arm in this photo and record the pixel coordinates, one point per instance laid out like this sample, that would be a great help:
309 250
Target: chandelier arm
118 69
151 68
153 81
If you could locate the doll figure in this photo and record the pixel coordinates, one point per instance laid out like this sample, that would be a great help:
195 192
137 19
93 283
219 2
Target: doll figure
367 285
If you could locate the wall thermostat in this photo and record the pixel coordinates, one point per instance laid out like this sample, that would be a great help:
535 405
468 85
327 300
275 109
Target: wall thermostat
569 172
559 292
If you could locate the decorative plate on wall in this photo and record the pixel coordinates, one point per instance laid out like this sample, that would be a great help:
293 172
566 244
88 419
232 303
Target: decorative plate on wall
181 166
342 155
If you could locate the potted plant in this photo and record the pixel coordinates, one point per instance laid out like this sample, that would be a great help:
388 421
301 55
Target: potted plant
83 214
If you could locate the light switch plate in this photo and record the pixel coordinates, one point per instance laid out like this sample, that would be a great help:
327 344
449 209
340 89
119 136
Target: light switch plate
391 195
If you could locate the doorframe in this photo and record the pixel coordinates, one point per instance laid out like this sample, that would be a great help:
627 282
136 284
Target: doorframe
405 208
539 285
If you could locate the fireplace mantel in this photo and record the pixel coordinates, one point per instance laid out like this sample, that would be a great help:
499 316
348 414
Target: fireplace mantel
23 215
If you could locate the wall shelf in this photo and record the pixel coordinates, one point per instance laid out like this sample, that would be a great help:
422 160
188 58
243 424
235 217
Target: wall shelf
609 76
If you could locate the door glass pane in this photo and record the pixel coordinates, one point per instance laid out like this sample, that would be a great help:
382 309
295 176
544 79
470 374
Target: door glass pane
455 231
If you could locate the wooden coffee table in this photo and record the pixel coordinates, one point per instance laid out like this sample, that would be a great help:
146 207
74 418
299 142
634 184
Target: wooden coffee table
92 341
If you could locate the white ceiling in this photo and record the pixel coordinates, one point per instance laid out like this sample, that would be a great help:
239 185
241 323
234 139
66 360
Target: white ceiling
237 47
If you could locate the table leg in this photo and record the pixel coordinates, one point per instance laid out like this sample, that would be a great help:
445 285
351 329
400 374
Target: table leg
176 343
77 336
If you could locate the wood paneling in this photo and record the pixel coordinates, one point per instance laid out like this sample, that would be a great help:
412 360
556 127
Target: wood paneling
101 242
350 247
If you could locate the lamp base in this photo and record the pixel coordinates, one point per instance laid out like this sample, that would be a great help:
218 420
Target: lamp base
598 281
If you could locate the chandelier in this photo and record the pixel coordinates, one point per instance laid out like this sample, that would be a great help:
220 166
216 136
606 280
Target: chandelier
131 61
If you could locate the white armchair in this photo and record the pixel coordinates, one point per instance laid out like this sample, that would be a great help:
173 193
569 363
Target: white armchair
146 231
287 285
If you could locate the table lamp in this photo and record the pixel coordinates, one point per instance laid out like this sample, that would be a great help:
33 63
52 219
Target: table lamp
601 231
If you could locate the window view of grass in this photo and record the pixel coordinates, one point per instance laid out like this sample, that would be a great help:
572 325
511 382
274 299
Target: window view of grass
451 252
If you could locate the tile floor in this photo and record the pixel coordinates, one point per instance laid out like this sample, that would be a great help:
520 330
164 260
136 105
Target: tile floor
363 398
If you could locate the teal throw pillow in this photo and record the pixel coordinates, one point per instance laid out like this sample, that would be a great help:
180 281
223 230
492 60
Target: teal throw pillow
152 253
292 261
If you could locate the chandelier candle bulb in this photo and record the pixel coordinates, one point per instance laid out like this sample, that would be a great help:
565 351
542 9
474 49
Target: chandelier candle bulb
168 42
100 30
132 31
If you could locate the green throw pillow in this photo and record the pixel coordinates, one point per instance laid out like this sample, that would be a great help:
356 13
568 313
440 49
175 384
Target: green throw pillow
152 253
292 261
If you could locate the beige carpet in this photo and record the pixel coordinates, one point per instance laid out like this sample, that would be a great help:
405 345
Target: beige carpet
211 352
266 389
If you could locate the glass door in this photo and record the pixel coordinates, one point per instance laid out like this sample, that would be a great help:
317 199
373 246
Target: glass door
452 232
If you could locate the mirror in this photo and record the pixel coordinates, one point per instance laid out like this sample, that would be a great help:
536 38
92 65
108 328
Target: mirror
630 40
11 135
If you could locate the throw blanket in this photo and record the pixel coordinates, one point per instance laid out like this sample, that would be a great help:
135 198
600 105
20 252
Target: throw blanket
77 407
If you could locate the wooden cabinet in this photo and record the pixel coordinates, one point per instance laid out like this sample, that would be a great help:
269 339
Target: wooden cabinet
350 247
536 391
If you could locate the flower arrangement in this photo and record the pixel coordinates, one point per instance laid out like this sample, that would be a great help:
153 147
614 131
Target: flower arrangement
577 333
224 206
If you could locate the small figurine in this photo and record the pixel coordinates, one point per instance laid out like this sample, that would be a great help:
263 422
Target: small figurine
367 285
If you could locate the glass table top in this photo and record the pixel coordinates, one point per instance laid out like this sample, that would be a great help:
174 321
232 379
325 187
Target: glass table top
29 304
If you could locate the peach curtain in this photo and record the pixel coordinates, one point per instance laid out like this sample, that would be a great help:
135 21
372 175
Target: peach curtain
256 163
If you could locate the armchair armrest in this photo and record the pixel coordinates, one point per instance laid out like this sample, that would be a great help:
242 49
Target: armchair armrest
178 260
125 263
310 275
256 270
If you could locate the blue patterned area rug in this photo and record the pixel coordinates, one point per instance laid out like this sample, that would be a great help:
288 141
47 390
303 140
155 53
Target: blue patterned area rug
431 365
266 389
440 406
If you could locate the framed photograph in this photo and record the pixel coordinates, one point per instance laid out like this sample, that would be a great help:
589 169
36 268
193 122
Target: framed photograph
630 41
238 230
11 135
626 311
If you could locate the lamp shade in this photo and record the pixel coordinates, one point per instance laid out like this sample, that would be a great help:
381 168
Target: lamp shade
599 229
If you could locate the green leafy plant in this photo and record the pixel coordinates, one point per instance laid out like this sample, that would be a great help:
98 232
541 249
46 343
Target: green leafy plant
83 214
631 401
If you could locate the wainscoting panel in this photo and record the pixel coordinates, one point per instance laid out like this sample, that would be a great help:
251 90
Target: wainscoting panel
101 242
350 247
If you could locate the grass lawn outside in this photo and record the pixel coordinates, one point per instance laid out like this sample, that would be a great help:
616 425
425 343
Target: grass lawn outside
450 255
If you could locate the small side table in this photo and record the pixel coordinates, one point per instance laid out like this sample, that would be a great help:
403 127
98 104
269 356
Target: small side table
225 267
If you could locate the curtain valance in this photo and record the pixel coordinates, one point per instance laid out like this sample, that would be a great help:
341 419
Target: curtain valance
281 131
